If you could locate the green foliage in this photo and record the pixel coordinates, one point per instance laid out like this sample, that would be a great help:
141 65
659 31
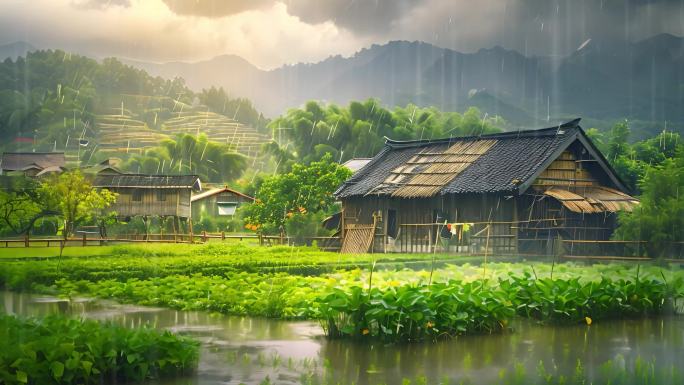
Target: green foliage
239 109
188 154
299 226
631 161
75 199
412 313
659 219
286 282
58 350
571 301
19 207
359 129
303 190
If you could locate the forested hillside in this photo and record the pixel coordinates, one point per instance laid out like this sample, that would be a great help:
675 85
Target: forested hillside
56 101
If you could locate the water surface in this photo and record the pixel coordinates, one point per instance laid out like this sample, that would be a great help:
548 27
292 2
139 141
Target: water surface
247 350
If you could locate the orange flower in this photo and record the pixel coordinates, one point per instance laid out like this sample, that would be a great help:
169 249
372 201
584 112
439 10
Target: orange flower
429 325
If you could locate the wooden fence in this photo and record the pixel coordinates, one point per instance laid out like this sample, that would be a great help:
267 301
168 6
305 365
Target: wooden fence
324 243
483 239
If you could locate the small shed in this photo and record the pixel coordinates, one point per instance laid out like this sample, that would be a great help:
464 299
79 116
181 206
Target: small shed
32 163
507 193
218 202
150 195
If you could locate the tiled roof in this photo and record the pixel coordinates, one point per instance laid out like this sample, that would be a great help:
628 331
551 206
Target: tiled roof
504 162
12 161
147 181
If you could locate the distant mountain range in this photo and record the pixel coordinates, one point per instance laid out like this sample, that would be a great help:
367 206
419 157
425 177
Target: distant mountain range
14 50
642 81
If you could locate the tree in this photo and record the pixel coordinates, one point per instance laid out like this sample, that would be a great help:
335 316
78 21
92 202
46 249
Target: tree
659 218
18 212
304 190
359 130
75 199
21 206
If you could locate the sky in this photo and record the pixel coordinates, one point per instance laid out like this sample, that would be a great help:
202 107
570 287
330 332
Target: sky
271 33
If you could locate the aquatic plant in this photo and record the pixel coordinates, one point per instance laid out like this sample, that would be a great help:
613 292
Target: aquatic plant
59 350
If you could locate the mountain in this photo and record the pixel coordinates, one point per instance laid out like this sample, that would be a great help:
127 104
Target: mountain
14 50
603 80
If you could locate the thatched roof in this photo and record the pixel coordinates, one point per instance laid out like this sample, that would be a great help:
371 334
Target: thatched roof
147 181
506 162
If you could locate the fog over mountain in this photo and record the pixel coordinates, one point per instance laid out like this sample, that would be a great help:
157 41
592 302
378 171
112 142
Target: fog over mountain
601 80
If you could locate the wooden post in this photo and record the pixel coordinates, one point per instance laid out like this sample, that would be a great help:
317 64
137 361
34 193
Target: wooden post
223 235
261 239
192 240
26 239
84 238
204 236
175 229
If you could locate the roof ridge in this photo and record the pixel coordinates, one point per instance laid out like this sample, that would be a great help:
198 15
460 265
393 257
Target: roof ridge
548 131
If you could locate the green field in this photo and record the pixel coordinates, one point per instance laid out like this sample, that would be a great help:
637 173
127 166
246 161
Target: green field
352 295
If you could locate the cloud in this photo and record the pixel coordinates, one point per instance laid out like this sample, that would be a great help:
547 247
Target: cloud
359 16
270 33
149 30
214 8
100 4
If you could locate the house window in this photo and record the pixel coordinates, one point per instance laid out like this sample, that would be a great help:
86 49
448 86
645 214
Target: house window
161 195
226 208
137 195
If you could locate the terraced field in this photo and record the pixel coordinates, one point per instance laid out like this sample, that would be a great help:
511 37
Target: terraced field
141 122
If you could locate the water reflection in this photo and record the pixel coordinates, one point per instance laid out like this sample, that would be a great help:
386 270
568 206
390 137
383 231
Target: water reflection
247 350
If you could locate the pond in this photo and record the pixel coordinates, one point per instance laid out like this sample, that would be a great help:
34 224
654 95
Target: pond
248 350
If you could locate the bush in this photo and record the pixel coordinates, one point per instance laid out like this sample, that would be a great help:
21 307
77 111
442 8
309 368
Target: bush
59 350
300 226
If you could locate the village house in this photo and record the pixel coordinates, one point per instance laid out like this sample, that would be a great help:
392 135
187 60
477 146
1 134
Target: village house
524 192
32 164
218 202
149 195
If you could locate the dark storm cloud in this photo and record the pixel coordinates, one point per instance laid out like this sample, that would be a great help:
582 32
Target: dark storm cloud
552 26
359 16
546 27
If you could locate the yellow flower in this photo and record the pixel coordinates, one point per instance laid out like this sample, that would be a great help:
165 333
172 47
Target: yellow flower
429 325
394 283
365 331
588 320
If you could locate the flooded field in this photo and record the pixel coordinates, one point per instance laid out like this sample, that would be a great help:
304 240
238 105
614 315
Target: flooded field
250 350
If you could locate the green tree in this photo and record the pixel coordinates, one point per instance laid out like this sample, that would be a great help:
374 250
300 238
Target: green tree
359 130
75 199
659 218
303 190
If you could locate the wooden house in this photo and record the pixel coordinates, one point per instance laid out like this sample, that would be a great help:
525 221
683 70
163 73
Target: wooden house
32 164
218 202
149 195
518 192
